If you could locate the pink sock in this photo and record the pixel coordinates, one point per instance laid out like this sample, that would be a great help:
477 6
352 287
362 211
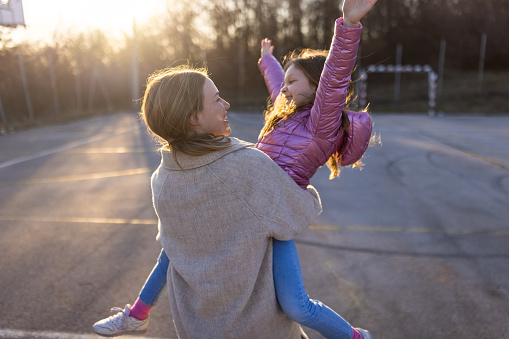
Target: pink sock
356 334
140 311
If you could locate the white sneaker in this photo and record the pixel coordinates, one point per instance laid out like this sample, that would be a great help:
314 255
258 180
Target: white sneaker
365 333
120 323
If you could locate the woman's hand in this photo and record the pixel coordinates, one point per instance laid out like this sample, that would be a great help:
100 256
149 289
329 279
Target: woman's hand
354 10
267 47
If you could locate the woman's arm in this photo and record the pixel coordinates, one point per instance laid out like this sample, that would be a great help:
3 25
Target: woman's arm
271 69
279 204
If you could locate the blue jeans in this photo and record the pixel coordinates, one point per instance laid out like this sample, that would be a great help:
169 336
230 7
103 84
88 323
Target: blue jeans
152 288
290 292
294 300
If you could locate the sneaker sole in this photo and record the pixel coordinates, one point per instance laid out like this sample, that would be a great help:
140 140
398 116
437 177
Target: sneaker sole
123 333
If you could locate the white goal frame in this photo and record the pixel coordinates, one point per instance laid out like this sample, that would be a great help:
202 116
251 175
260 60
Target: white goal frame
11 13
432 80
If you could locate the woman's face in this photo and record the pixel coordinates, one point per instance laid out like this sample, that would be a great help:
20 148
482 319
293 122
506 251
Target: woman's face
297 86
212 118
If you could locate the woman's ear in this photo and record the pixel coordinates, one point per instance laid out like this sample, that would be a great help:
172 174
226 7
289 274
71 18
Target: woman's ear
193 120
195 124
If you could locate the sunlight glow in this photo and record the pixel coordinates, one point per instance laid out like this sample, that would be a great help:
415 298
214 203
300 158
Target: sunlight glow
44 18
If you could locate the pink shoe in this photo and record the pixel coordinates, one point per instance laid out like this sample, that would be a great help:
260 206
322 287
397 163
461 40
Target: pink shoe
365 333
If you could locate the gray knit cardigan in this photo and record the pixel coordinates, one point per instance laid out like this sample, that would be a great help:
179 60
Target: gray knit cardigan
217 216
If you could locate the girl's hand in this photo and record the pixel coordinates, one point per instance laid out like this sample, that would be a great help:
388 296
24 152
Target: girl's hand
354 10
267 47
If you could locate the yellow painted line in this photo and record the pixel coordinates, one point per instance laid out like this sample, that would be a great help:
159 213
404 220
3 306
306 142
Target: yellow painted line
462 140
82 220
108 150
312 227
89 176
374 229
488 159
405 230
325 228
418 230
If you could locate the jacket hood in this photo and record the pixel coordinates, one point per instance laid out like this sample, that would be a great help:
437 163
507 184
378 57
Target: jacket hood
188 162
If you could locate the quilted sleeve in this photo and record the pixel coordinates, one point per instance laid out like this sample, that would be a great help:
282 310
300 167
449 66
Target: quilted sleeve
357 138
325 118
273 74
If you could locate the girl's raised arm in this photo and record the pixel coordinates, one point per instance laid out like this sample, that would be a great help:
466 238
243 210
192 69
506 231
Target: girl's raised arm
271 69
354 10
331 93
267 48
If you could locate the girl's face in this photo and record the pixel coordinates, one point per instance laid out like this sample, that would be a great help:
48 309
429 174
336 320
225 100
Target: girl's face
297 86
212 118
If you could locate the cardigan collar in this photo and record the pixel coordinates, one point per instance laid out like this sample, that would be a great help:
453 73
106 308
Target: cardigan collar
187 162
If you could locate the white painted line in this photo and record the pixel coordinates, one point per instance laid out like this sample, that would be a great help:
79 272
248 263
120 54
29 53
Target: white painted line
62 148
15 334
90 176
82 220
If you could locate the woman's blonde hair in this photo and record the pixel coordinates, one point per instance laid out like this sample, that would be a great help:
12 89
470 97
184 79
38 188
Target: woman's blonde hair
172 97
311 62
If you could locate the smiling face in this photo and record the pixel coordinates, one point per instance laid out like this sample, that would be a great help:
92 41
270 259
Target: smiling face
212 118
297 86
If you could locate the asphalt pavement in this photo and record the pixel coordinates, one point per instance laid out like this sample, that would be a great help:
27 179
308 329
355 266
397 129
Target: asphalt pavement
413 246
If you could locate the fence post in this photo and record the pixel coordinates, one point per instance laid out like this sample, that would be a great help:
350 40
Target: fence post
482 57
53 79
242 74
91 91
104 92
397 74
93 79
2 113
432 86
441 65
25 86
135 77
77 83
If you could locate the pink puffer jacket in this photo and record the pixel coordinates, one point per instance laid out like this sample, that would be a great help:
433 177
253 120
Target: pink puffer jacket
307 139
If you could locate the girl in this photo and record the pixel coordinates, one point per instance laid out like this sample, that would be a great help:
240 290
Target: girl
303 130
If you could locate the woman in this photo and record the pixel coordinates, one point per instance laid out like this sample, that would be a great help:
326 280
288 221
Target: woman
219 202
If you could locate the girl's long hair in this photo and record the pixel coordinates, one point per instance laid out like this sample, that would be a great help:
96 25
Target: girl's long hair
172 97
311 62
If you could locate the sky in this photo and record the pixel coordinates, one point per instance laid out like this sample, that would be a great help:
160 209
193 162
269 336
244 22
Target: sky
43 17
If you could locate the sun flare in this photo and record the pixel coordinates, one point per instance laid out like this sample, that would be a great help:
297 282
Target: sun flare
44 18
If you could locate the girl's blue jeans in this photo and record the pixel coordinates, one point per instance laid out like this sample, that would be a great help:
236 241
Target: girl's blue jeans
290 292
152 288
